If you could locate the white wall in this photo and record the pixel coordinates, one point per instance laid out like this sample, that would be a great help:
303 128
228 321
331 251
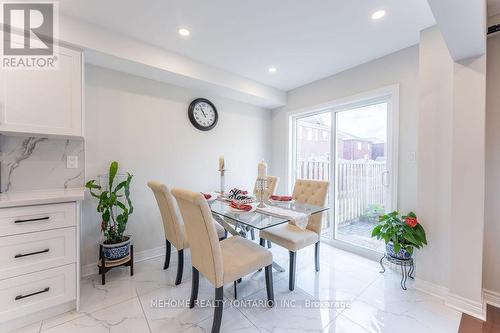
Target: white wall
451 171
397 68
434 154
143 124
491 277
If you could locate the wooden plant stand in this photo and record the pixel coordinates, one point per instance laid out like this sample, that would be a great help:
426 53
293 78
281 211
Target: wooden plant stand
105 266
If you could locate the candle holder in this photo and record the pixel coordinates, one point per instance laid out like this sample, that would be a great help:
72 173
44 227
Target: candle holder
222 182
261 187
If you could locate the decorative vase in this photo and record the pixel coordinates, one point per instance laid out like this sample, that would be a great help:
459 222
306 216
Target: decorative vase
118 250
401 255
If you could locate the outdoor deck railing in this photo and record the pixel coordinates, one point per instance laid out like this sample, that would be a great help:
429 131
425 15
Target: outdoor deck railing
359 185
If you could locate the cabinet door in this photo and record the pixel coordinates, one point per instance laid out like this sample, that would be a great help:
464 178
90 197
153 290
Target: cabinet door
44 101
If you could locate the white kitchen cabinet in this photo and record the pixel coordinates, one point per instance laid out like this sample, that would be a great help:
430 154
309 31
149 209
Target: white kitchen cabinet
43 102
39 255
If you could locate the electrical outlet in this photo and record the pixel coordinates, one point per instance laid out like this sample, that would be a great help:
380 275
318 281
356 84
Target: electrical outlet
72 162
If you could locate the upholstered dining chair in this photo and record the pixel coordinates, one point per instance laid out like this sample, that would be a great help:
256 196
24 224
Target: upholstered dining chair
173 226
221 262
293 238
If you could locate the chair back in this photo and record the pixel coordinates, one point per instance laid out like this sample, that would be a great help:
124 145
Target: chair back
272 185
173 225
313 192
206 254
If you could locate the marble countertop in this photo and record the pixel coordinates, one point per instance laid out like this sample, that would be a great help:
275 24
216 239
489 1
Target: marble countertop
40 197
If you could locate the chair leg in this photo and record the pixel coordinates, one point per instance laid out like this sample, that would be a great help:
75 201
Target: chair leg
262 242
235 290
195 282
180 266
291 281
219 294
252 233
316 256
269 244
167 254
269 285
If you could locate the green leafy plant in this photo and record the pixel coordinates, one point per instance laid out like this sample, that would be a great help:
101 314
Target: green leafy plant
114 207
405 231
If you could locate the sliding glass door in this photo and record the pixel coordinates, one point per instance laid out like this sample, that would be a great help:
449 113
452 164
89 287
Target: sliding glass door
352 146
362 187
313 153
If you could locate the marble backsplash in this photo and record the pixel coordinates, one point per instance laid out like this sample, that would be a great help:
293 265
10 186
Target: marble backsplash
36 163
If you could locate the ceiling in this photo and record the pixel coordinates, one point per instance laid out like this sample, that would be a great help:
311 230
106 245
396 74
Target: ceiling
304 40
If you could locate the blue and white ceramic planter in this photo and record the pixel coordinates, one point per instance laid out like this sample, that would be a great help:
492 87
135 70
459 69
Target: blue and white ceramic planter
401 255
116 251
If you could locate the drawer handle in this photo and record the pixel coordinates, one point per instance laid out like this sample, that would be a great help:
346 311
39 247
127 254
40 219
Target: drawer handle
33 220
18 297
31 253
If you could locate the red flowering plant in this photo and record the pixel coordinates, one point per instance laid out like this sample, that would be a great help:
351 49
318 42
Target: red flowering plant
404 232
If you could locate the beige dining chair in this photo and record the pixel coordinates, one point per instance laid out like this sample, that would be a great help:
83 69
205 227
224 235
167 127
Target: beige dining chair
173 226
293 238
221 262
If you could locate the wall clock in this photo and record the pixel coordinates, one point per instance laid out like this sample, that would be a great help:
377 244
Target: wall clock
203 114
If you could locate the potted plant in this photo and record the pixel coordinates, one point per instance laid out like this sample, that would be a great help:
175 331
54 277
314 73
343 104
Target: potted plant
115 208
401 234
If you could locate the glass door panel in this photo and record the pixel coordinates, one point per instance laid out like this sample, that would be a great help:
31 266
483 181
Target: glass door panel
313 152
362 182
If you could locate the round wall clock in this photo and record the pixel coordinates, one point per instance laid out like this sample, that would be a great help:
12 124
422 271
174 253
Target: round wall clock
203 114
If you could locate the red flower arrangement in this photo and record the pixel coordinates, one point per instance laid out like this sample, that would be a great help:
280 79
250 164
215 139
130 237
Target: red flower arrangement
411 221
405 232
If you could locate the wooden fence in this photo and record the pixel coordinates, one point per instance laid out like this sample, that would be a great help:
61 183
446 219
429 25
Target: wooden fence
359 185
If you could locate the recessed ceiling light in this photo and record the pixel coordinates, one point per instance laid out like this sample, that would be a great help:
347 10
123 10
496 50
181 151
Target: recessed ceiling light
378 14
184 32
272 69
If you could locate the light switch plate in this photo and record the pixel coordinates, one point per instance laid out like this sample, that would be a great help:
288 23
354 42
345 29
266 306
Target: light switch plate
72 162
411 156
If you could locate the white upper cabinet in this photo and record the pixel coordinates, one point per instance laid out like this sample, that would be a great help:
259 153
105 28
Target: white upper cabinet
44 102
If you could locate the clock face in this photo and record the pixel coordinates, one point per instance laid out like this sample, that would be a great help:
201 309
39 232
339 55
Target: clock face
203 114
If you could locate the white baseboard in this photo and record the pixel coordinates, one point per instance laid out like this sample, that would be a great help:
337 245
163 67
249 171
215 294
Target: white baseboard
465 305
91 269
431 288
491 297
475 309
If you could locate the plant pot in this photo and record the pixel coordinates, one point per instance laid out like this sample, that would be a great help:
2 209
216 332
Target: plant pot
401 255
116 251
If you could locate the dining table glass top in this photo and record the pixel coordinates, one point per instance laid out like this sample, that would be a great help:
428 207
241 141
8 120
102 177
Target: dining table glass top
260 220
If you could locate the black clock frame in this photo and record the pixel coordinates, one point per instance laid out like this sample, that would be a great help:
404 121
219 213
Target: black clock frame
193 120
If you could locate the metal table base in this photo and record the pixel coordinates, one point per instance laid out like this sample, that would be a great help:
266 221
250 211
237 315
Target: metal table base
231 228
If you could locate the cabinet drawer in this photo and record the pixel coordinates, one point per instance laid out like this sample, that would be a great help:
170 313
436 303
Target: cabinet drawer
33 292
26 253
17 220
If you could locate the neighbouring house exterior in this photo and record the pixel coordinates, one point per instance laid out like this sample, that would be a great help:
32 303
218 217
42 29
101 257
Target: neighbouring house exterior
313 143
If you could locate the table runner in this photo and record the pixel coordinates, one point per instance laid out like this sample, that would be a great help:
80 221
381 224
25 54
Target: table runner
296 218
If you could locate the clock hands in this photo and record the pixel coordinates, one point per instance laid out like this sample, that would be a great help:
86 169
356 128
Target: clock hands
203 111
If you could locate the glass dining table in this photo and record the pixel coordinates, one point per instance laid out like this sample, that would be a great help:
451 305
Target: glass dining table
237 223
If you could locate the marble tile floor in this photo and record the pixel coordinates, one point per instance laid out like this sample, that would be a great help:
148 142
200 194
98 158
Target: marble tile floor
362 300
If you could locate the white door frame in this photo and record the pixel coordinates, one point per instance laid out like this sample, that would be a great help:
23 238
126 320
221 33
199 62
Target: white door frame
389 94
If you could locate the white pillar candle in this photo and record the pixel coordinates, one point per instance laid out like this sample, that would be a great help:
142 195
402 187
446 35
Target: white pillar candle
262 170
221 163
